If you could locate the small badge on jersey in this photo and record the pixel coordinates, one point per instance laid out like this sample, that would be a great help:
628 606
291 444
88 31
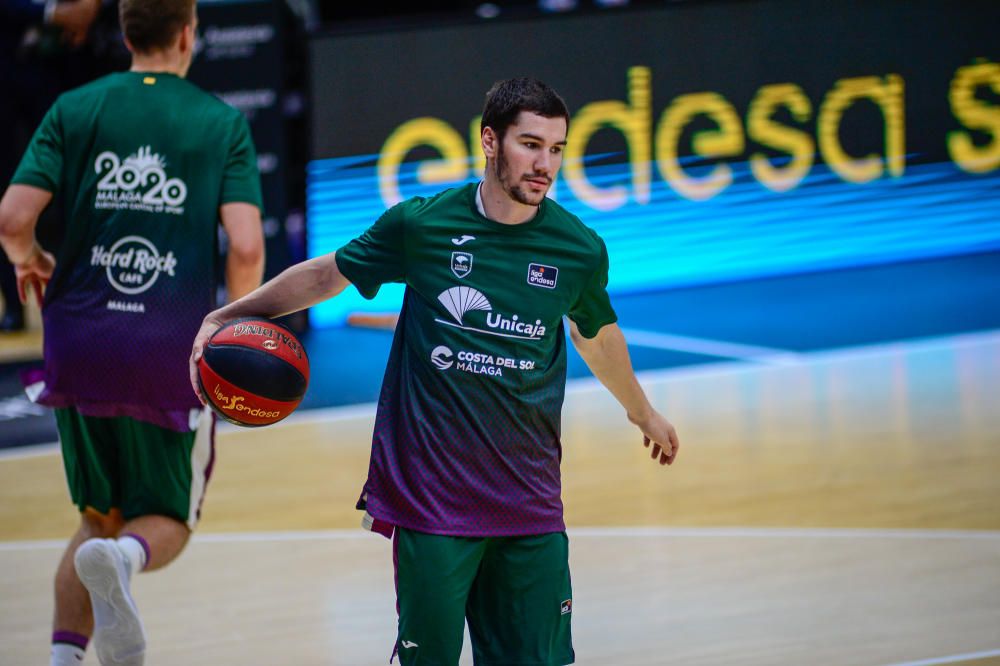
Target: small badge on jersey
566 607
541 275
461 264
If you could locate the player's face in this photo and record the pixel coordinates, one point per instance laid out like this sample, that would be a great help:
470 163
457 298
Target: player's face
529 157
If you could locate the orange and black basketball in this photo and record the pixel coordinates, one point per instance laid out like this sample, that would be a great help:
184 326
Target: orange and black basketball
253 372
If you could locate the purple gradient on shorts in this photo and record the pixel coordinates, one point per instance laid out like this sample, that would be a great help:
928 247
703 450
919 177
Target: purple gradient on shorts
70 637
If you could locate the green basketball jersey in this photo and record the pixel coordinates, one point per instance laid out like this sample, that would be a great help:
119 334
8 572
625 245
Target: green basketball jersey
466 439
143 162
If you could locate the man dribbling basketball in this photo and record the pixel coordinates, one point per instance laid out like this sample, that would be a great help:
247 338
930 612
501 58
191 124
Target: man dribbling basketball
148 164
465 457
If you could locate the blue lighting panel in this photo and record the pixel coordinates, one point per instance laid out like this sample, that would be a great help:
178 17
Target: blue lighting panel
745 232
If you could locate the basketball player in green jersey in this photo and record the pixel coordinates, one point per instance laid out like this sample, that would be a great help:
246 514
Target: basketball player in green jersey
148 164
464 471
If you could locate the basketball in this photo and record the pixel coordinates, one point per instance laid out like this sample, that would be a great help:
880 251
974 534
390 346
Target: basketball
253 372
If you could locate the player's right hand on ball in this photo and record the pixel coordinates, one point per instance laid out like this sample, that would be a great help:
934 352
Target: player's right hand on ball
209 326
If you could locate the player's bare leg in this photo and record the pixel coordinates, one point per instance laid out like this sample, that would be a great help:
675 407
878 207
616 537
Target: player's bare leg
166 538
73 618
106 567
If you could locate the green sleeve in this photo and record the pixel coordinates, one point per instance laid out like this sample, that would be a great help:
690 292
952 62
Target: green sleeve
376 256
241 181
42 163
592 309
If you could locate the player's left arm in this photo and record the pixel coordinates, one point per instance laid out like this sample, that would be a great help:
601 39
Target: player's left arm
606 354
245 260
20 208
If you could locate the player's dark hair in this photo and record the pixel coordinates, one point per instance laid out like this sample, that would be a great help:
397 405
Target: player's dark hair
506 99
153 25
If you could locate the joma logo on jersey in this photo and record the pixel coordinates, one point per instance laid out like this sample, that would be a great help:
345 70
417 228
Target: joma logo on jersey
133 263
461 301
543 276
139 182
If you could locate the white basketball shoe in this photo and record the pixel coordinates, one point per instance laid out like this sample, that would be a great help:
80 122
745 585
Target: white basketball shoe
118 633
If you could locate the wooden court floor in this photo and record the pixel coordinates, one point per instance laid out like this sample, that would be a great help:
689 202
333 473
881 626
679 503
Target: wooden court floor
840 508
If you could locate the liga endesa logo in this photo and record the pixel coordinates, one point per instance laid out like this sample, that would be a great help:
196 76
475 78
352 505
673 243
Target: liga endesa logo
235 403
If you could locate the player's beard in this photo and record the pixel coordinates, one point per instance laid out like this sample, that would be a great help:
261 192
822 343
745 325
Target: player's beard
515 188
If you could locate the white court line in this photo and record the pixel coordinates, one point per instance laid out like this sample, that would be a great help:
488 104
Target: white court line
314 416
782 533
951 659
881 349
707 347
583 532
32 451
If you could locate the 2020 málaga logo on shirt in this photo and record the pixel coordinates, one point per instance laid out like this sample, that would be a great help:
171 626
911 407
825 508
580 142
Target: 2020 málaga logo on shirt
139 182
133 265
461 302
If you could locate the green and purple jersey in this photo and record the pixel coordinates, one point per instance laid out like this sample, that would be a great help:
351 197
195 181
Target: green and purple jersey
467 436
143 162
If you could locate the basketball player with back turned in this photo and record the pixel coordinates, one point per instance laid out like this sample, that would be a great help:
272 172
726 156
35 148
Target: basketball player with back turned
464 470
148 165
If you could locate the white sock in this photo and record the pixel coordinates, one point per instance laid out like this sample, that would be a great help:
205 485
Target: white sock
134 553
64 654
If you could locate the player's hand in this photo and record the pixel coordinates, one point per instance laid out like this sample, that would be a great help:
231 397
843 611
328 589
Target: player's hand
34 272
659 435
209 326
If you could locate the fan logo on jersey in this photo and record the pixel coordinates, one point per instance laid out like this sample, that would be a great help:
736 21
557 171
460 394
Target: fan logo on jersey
541 275
139 182
566 607
133 264
461 264
466 301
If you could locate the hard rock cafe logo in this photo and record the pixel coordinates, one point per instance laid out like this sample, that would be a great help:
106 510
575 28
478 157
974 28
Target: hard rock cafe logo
133 263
